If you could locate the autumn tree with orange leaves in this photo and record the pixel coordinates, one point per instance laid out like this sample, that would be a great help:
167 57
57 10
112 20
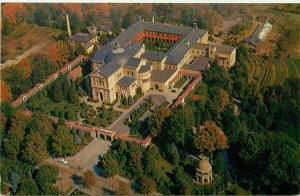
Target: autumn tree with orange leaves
210 138
5 92
59 53
223 98
24 67
157 119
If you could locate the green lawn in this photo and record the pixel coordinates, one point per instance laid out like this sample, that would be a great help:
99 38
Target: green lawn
180 82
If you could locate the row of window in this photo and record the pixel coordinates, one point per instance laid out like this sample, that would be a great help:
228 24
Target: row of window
160 34
198 52
145 80
99 82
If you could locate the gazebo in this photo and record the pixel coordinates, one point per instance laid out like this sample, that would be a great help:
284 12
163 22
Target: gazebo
204 171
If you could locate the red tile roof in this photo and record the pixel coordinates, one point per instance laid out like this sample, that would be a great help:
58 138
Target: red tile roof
188 89
75 73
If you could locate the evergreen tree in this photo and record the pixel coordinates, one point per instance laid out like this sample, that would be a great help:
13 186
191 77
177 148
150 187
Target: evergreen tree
35 148
63 142
72 95
15 180
46 175
28 187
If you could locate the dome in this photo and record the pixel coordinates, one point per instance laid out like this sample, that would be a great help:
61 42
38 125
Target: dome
204 166
118 58
117 55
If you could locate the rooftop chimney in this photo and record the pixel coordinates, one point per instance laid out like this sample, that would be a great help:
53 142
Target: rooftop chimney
68 26
152 19
195 25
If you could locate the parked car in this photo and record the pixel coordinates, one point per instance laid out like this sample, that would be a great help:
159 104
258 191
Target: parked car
63 161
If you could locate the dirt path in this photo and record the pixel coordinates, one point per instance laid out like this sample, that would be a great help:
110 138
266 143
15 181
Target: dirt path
12 62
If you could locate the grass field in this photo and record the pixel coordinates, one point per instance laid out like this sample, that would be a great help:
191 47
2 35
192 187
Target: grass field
272 71
24 37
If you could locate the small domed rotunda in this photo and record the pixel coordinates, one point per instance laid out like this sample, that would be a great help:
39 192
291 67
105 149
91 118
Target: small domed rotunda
204 171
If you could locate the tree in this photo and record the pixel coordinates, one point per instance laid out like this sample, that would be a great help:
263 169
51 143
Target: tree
79 49
125 101
103 39
147 185
212 20
187 15
130 100
8 26
272 159
15 180
63 141
157 119
180 120
88 179
182 183
116 27
42 16
57 92
164 12
210 138
15 135
135 159
217 76
27 187
123 188
42 124
72 95
63 52
35 148
223 98
77 139
46 175
38 75
219 164
5 92
251 145
150 156
173 154
24 68
110 165
129 17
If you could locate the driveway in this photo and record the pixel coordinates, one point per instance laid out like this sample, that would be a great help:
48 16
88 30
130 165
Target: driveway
88 156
